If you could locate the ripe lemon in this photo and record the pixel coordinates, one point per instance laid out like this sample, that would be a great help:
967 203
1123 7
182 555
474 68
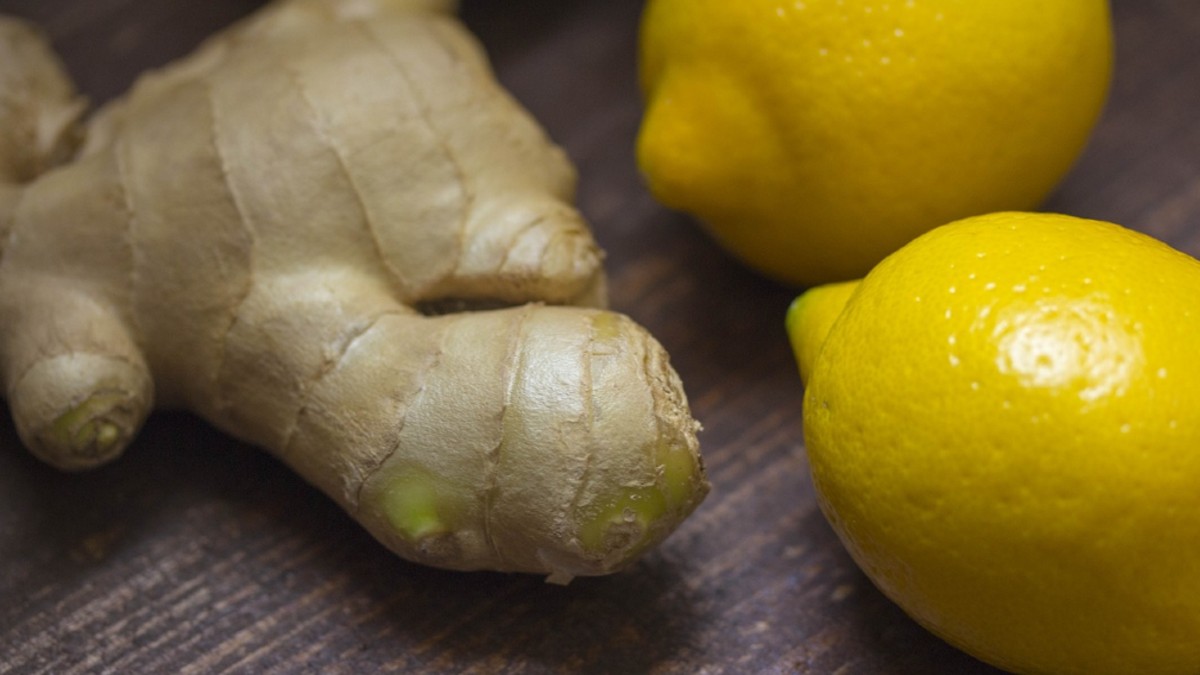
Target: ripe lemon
814 137
1003 426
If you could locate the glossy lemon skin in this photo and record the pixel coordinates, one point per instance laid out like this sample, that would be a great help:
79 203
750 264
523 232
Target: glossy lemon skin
813 138
1003 426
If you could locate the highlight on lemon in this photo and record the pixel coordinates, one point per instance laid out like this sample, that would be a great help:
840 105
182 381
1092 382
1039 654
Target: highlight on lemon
1001 423
813 138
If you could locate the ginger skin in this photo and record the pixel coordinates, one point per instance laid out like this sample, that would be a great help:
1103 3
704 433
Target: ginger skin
248 235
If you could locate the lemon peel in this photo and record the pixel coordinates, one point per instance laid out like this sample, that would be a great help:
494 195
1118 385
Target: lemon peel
1001 426
814 138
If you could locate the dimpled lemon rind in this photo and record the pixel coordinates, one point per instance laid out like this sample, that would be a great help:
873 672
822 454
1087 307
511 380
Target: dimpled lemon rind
813 138
1003 427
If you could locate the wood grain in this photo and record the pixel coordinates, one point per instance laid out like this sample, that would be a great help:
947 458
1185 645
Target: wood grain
197 554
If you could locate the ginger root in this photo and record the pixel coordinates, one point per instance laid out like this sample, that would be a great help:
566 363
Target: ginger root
258 233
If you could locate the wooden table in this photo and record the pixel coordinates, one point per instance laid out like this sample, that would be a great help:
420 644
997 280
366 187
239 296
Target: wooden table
198 554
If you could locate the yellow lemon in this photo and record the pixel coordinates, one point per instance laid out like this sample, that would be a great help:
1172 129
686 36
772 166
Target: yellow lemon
814 137
1003 427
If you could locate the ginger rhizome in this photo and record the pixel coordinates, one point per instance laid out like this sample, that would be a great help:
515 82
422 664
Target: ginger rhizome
261 232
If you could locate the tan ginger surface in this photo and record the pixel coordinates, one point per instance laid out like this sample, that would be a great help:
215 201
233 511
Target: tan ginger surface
251 234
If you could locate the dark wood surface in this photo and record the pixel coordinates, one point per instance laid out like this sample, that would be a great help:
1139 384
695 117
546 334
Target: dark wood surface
197 554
